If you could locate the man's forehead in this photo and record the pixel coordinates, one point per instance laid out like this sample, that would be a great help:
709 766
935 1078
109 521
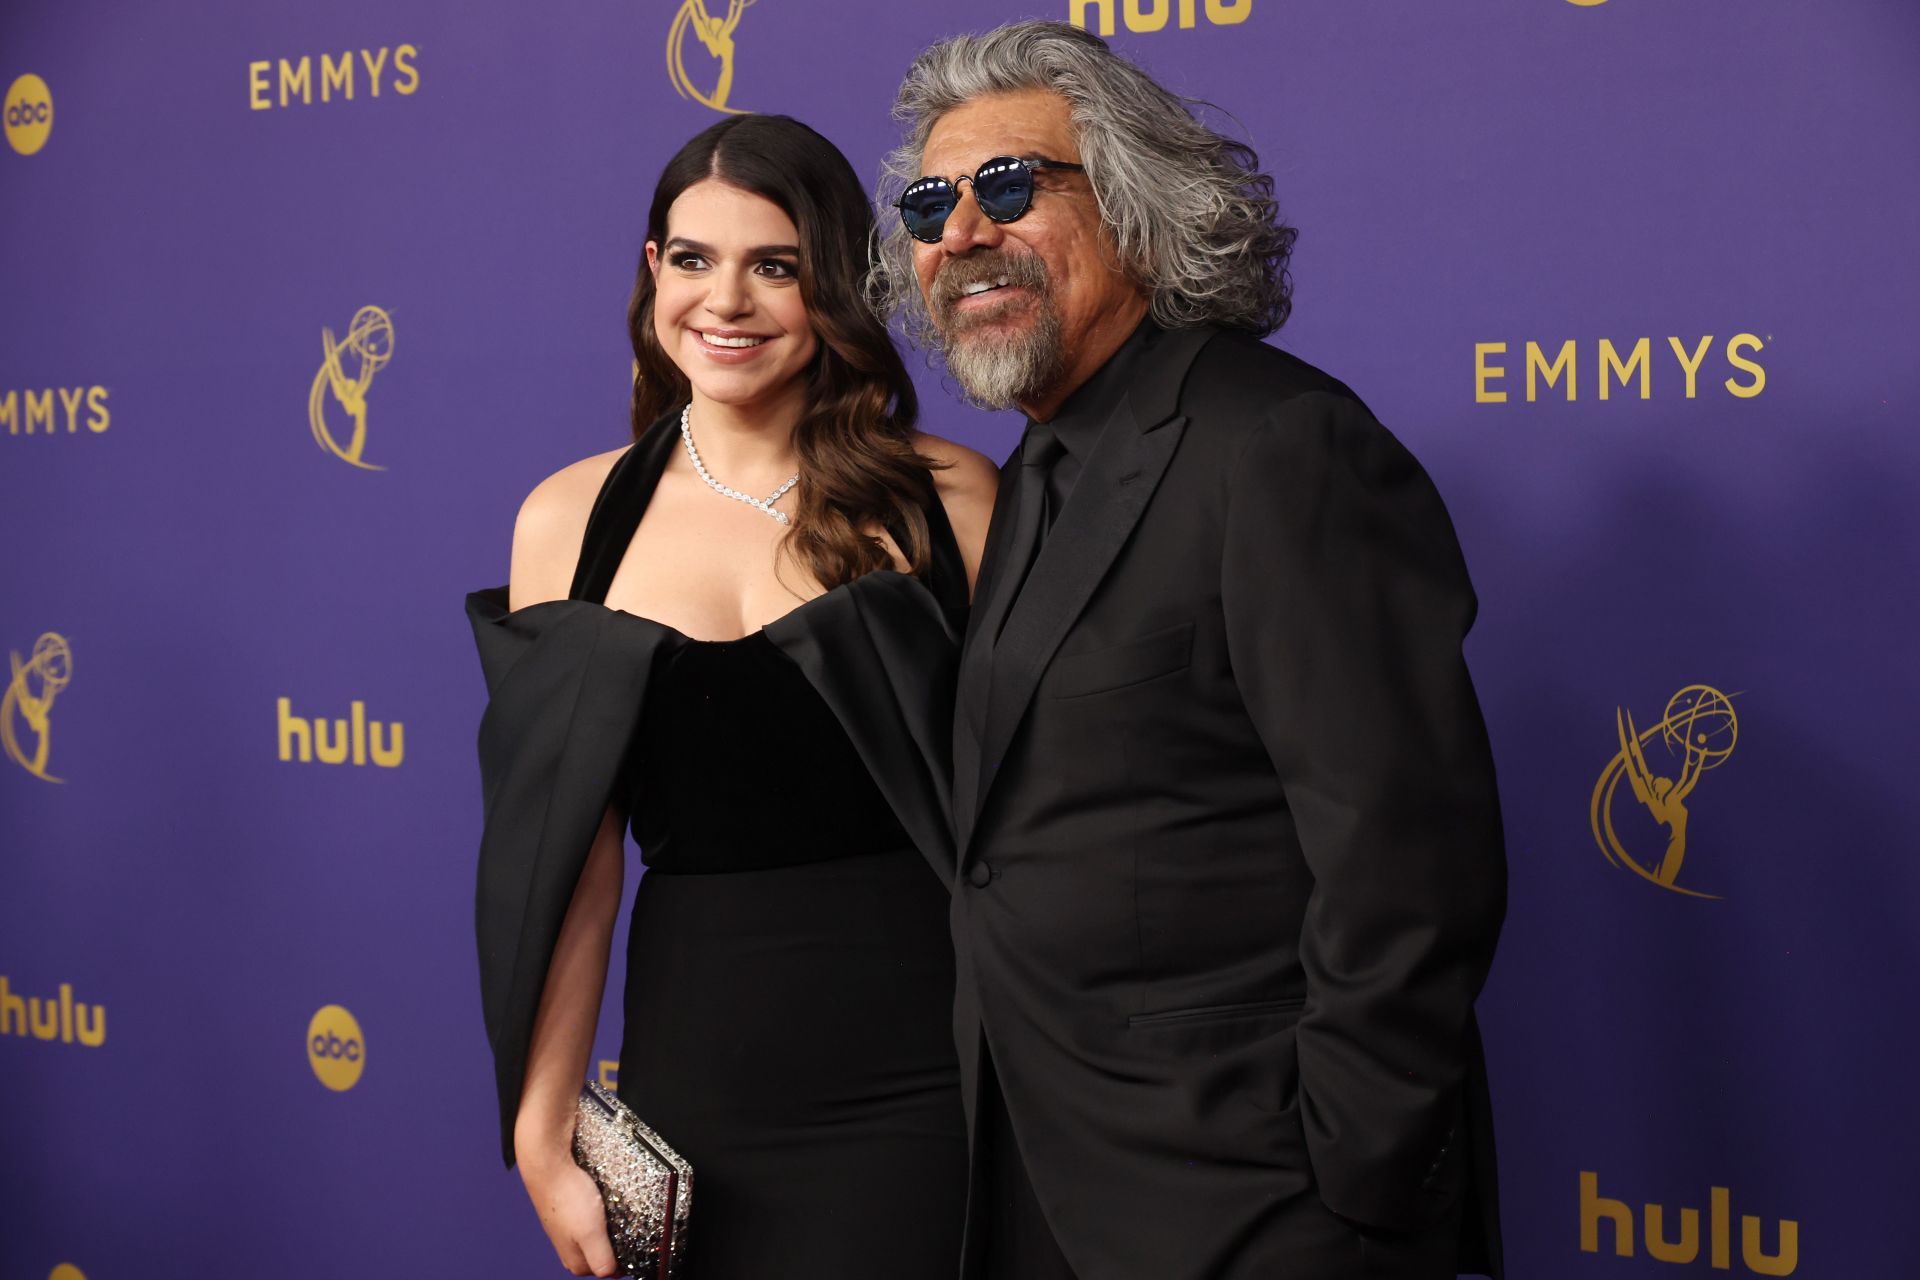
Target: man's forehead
1032 122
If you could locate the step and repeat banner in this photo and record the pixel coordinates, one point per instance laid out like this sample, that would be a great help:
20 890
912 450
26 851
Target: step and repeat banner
300 301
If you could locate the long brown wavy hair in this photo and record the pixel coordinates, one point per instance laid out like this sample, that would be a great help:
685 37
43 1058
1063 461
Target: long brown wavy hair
858 467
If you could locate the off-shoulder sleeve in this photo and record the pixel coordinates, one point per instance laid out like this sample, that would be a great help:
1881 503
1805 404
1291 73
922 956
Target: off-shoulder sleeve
881 652
566 682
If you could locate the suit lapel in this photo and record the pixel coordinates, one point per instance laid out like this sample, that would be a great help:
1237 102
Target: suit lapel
1107 502
1111 494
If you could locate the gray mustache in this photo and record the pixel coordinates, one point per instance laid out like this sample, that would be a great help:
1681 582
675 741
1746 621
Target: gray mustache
1024 270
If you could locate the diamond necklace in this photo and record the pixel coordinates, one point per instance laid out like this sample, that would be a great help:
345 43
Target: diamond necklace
760 504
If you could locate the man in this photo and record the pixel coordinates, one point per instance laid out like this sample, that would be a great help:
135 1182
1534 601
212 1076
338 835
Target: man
1231 867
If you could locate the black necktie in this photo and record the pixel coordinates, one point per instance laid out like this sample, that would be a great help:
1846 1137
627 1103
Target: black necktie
1029 501
1033 513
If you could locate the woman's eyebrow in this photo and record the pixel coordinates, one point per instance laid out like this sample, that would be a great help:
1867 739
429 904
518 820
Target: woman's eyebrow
757 251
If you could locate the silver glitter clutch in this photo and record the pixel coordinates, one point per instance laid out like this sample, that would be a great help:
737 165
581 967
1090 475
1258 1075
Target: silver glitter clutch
645 1183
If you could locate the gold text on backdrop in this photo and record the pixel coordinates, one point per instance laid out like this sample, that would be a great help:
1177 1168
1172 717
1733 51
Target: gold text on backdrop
1615 366
1142 16
337 741
1596 1208
365 69
61 1019
50 410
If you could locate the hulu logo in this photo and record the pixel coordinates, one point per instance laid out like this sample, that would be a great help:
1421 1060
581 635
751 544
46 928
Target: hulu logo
337 741
52 1019
1596 1209
1153 15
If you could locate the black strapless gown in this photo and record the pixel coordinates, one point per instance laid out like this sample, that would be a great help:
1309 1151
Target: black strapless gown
789 974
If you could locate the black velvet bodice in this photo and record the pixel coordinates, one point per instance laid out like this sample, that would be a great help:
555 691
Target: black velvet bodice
740 765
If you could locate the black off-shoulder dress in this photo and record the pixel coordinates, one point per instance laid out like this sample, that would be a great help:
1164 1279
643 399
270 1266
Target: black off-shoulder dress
789 974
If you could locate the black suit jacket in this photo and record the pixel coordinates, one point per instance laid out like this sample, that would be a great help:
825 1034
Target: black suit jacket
1230 862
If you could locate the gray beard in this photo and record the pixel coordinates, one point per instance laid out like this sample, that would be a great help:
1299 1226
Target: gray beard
997 369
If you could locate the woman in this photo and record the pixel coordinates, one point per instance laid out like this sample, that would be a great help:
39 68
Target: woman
738 634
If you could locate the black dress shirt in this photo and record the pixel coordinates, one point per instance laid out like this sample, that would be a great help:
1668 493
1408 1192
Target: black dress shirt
1082 419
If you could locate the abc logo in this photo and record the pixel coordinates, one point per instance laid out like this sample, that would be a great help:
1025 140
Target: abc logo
335 1048
28 114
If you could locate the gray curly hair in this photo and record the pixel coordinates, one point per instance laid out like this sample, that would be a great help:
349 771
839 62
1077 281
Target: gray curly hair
1191 215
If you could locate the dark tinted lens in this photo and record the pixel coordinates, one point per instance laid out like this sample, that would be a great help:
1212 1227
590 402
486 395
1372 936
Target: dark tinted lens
925 206
1004 189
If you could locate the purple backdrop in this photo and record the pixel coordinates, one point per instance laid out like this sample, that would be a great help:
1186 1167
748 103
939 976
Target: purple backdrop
197 547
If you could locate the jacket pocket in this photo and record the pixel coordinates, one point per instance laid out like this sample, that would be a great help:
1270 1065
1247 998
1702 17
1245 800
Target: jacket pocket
1159 653
1218 1012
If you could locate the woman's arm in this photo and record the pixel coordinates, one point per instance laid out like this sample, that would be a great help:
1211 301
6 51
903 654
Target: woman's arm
546 543
566 1198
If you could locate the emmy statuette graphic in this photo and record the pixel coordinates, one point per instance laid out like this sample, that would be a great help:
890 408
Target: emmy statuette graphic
716 34
346 371
35 683
1698 731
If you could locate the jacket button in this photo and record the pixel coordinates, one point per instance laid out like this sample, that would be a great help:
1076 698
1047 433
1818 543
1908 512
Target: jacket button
979 874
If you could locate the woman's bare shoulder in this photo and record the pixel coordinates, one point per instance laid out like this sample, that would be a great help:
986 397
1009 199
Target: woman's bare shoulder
967 484
964 472
551 524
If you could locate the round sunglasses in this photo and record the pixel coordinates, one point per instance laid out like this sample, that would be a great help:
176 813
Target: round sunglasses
1003 186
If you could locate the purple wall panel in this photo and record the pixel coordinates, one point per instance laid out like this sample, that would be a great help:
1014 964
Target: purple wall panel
1494 173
